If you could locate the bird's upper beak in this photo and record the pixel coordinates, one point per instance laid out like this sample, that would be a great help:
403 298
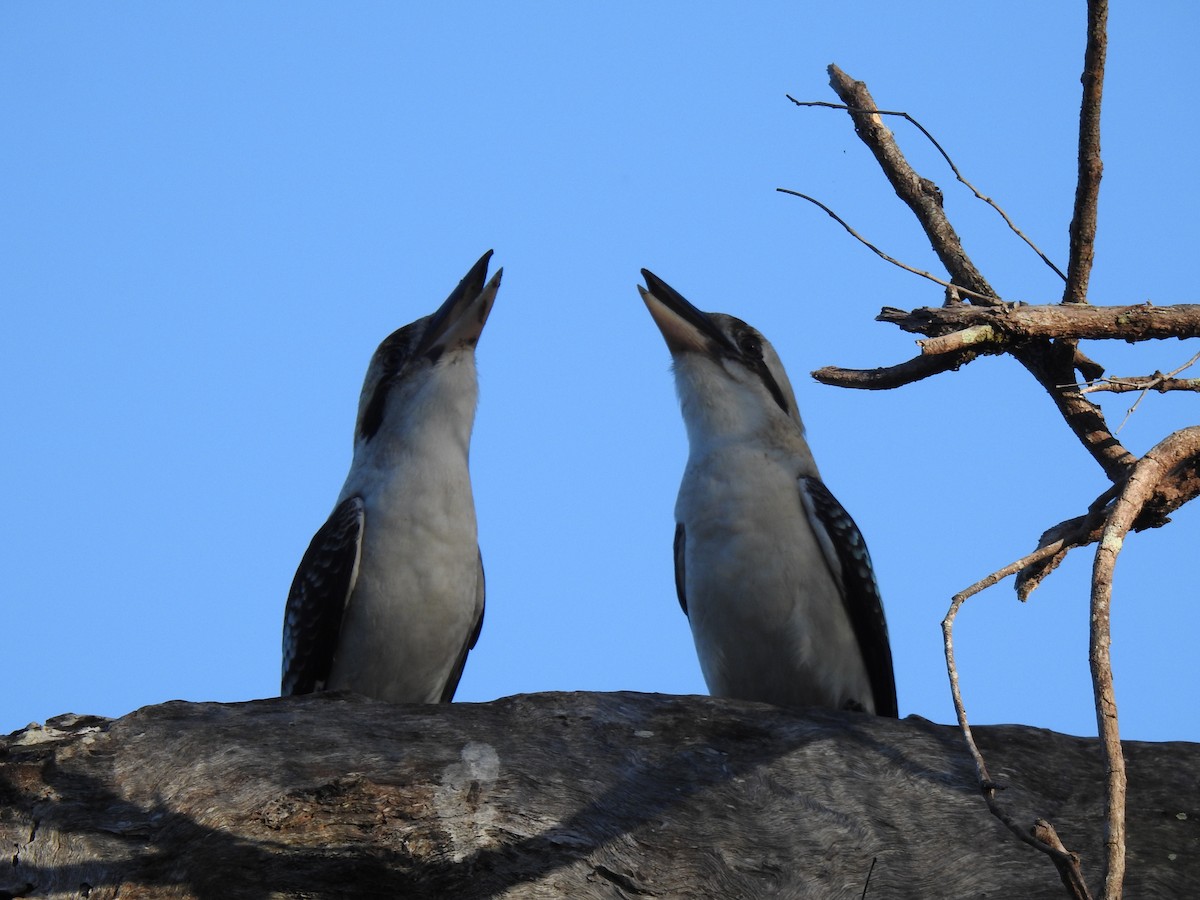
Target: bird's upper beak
683 326
461 318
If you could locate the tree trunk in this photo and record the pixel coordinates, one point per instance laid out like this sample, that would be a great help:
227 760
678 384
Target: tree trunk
564 795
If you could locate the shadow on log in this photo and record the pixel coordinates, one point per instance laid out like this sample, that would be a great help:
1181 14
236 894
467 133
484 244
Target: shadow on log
563 795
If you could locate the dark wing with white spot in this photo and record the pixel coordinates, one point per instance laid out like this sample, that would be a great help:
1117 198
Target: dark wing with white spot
456 672
320 590
843 543
680 573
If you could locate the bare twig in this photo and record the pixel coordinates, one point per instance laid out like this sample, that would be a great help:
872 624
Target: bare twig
887 377
923 197
1156 382
1144 383
895 262
1172 452
1077 532
1087 188
953 168
1178 487
1050 363
1070 874
1063 859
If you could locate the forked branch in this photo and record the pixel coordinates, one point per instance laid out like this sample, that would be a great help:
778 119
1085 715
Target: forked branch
1052 366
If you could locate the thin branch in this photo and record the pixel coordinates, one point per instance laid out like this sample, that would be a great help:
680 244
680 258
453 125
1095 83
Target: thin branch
876 250
953 168
1063 859
1077 532
1072 877
1171 453
888 377
923 197
1178 487
1091 167
1156 382
1051 364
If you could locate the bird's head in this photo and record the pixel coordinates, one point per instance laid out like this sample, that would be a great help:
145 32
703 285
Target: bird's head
436 351
730 380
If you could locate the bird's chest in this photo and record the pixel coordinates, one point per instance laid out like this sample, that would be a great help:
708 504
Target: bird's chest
422 526
418 593
750 549
741 508
764 607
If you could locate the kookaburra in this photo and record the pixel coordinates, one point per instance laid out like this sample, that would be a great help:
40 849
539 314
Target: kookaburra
773 574
388 598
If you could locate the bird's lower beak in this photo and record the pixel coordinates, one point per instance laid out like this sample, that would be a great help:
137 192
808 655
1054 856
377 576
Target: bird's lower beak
461 318
683 326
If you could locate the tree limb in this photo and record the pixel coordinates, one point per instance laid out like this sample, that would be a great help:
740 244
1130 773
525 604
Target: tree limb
923 197
1066 862
1050 364
1156 382
1173 452
1091 167
882 379
1015 323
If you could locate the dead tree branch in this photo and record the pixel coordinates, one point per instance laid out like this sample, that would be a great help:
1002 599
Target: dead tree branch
887 377
884 256
1066 861
1045 340
1087 187
1156 382
923 197
1051 364
1175 451
1037 837
1017 323
1177 487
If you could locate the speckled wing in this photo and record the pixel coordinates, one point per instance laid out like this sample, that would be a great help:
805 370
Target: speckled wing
320 590
846 552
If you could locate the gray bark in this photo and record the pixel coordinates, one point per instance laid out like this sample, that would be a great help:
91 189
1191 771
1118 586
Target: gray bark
564 795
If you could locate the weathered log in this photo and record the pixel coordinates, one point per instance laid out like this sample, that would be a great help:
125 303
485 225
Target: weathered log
564 795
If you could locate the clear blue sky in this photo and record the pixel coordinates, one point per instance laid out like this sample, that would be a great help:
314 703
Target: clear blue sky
212 213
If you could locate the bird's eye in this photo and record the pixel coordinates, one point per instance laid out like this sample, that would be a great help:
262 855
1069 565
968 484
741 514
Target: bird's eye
751 346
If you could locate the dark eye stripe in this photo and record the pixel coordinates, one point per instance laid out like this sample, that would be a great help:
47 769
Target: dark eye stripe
769 380
373 415
750 353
